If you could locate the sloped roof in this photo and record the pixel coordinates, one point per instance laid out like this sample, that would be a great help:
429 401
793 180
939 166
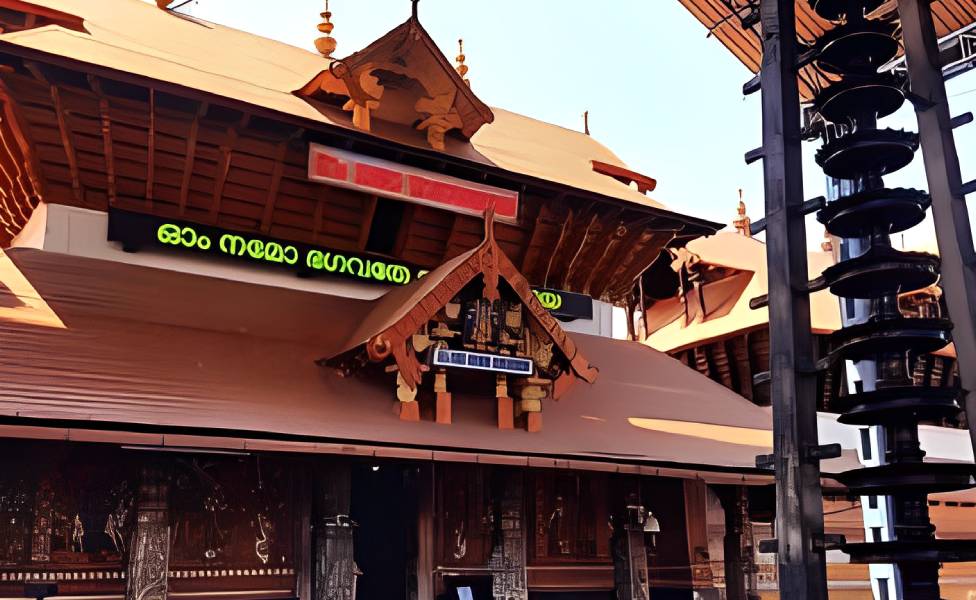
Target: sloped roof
136 37
736 251
151 350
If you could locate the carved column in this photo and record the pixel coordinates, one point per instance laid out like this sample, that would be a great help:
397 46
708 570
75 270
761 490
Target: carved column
507 563
149 548
335 567
630 553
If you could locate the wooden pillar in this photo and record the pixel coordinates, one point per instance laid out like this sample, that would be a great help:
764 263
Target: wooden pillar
506 407
696 512
335 567
738 567
630 553
425 532
507 562
443 412
149 548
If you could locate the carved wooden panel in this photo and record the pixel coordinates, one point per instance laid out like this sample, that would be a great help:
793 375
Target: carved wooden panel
570 517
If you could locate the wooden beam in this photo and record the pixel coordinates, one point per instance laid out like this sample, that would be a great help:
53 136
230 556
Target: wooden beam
595 242
368 212
740 353
12 114
191 150
66 144
269 204
560 241
616 251
106 127
456 219
223 167
622 280
318 214
151 149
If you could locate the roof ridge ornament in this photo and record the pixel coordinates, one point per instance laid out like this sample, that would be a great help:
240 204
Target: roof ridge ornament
461 68
326 44
742 221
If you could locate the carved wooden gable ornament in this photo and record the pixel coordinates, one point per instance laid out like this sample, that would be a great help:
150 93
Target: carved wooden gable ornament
472 317
403 78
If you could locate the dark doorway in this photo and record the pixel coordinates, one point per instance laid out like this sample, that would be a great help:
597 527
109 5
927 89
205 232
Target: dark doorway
384 506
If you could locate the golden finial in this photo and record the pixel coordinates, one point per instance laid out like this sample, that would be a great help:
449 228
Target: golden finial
326 45
461 68
827 245
742 221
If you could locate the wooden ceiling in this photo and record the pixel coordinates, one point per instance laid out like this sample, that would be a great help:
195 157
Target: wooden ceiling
723 20
95 141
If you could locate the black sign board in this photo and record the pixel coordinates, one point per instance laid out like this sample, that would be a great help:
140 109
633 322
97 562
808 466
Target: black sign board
136 231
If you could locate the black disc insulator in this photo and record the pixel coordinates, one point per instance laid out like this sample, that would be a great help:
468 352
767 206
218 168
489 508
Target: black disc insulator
867 151
909 478
857 48
903 404
850 98
866 340
911 551
859 214
880 271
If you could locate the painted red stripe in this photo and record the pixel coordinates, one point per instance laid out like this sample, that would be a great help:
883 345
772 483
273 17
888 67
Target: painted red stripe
379 178
331 167
461 197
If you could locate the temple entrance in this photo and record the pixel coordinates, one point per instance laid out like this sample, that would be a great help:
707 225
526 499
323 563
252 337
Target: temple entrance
384 506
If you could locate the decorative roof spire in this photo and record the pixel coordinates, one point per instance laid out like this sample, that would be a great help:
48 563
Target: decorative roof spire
326 45
586 122
461 68
742 221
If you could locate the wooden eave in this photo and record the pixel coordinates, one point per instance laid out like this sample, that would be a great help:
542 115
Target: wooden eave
38 16
363 142
723 19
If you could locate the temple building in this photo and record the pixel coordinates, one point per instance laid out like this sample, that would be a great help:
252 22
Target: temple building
278 324
709 325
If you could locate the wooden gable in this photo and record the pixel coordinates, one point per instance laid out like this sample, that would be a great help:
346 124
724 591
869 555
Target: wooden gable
403 78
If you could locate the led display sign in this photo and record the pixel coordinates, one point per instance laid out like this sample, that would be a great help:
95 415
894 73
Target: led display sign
483 362
135 231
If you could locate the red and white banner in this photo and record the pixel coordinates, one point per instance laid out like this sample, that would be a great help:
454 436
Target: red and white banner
401 182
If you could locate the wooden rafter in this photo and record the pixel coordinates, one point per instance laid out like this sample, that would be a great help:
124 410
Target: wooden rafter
14 117
544 222
106 126
318 214
720 358
577 242
595 243
626 274
368 212
151 149
620 244
223 167
66 143
269 204
562 241
191 150
740 353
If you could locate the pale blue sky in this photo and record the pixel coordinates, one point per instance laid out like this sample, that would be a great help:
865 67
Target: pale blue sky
661 95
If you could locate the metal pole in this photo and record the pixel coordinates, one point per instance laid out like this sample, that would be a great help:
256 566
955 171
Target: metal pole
799 505
945 186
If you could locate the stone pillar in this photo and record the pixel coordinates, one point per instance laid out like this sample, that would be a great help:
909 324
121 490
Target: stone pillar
630 553
507 562
335 567
149 548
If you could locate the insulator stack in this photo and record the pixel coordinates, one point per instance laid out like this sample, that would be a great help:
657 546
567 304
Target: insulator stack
856 149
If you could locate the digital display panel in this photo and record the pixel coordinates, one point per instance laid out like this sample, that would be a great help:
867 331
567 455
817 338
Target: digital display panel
483 362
